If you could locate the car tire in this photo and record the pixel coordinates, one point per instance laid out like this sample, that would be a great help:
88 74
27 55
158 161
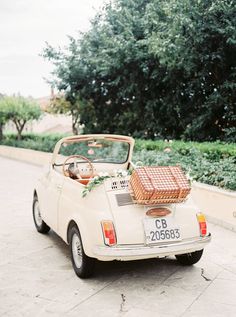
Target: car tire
189 258
82 264
40 225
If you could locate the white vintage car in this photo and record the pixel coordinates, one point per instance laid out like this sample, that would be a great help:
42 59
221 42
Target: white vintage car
84 196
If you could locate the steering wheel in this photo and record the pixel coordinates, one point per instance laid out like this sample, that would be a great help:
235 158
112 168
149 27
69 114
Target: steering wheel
76 172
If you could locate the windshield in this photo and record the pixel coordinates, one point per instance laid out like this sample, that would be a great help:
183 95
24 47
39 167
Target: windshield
97 150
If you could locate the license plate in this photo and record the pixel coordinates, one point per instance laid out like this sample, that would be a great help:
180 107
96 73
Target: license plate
161 230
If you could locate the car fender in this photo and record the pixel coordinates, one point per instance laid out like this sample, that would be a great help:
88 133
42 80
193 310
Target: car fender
89 237
87 213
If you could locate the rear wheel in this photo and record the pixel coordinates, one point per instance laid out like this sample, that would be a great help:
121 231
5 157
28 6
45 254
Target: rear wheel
189 258
40 225
82 264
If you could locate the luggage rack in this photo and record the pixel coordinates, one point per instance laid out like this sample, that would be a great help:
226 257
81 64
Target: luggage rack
159 185
159 201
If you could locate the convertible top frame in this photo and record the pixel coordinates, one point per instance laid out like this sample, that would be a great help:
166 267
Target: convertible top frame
84 137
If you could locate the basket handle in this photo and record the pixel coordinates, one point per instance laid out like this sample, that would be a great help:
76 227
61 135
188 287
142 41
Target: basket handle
150 178
176 181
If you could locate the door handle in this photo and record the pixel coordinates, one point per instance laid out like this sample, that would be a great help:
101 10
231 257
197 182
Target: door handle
59 187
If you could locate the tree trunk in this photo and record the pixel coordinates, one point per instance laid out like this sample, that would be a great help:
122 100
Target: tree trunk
19 128
75 118
74 128
19 136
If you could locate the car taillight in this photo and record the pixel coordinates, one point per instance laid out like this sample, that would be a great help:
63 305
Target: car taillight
109 233
202 224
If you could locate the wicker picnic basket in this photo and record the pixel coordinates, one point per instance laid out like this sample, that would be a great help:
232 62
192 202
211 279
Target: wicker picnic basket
159 185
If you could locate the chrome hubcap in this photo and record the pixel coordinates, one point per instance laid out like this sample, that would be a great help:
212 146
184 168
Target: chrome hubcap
76 250
37 214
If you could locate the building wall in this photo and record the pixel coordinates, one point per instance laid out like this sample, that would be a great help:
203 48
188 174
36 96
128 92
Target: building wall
49 123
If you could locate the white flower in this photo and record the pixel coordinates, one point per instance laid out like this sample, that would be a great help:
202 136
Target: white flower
114 173
103 174
124 173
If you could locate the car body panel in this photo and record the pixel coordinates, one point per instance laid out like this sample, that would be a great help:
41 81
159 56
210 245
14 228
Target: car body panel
129 218
140 252
61 202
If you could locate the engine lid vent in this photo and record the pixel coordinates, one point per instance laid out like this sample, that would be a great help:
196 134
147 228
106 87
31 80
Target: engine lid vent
124 199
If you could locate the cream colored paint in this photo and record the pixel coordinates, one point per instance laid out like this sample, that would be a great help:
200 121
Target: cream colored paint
218 204
61 202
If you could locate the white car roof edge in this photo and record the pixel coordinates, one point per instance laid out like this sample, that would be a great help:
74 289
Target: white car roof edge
123 138
85 136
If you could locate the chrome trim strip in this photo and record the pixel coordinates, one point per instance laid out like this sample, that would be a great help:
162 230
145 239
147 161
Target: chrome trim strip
145 250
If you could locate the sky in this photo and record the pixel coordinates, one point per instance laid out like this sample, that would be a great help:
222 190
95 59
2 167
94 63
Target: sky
25 26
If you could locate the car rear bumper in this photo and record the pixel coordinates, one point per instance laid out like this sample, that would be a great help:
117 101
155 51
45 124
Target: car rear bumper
138 252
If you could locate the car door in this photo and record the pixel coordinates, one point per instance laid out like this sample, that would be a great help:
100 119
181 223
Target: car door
51 199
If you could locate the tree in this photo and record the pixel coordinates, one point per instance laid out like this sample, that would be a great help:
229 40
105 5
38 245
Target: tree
20 110
154 68
2 117
196 41
110 68
67 105
2 121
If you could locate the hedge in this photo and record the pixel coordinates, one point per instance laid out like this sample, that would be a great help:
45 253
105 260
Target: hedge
212 163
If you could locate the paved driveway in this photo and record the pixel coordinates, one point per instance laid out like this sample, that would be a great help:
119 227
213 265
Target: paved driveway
36 277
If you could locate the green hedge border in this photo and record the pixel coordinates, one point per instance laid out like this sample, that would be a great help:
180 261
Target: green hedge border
212 163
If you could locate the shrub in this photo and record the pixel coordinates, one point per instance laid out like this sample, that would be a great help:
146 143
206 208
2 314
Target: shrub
40 142
197 165
211 150
212 163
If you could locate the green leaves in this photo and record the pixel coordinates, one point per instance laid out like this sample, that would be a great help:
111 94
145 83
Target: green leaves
154 69
19 110
208 162
96 181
